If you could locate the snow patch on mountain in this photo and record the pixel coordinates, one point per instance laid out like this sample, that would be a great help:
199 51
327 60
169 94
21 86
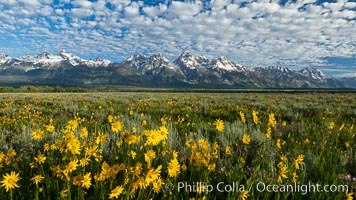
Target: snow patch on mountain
223 64
4 59
313 73
188 67
48 61
187 60
144 63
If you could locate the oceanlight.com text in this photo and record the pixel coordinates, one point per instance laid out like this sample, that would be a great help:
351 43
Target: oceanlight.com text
300 188
202 187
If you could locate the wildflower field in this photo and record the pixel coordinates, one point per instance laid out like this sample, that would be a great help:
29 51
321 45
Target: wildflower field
177 145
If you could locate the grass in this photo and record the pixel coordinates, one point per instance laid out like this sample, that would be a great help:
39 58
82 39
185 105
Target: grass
140 145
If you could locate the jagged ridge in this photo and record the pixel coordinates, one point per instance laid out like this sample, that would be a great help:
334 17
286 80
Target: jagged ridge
156 70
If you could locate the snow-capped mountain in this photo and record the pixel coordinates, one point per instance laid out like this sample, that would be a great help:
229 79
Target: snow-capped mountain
4 59
156 70
313 73
98 62
145 63
187 61
223 63
46 60
201 69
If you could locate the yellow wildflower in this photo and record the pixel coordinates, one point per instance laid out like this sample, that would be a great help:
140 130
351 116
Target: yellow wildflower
86 182
243 195
283 158
294 177
9 181
271 120
37 134
115 193
2 156
164 132
74 146
40 159
101 138
116 126
284 123
219 125
349 196
50 128
83 133
282 173
46 147
246 139
255 117
298 161
204 145
268 132
152 175
157 185
132 154
278 143
11 153
149 155
184 167
228 150
84 161
77 180
110 118
174 166
242 116
72 166
212 167
144 122
347 144
37 179
331 125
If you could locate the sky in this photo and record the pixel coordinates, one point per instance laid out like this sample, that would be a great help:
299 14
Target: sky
258 33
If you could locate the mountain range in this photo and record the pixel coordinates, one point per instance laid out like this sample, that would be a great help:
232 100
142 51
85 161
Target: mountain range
157 71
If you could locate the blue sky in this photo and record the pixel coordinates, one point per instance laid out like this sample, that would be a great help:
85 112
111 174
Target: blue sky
295 34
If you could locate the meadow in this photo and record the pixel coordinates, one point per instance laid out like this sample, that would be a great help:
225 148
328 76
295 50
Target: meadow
177 145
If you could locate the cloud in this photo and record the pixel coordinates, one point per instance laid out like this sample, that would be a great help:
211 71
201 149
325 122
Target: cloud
80 12
30 3
8 2
155 11
132 10
46 11
183 10
82 3
350 74
253 33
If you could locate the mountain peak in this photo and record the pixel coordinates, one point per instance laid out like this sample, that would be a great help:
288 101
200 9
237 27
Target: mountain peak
186 70
279 68
188 61
4 58
222 58
222 63
2 55
186 54
67 55
144 64
136 57
313 73
43 55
